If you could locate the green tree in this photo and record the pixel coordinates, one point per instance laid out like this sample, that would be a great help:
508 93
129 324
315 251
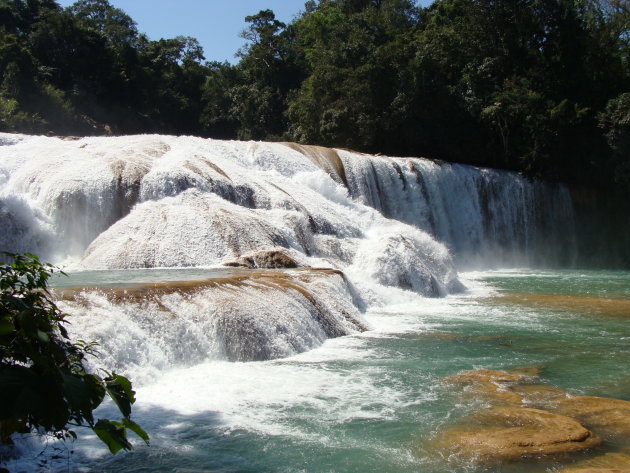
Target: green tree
615 121
354 51
45 384
216 118
269 68
112 23
171 83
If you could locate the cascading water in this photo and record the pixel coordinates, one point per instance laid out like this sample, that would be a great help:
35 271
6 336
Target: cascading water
486 217
145 225
236 315
61 198
160 202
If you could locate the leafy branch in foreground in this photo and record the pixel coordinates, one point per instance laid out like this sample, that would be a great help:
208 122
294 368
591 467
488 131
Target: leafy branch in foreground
45 384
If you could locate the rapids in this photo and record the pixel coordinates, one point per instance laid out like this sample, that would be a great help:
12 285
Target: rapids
154 201
145 224
162 201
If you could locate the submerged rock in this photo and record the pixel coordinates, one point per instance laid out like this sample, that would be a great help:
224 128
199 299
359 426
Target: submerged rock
480 377
507 433
269 259
488 384
608 463
516 387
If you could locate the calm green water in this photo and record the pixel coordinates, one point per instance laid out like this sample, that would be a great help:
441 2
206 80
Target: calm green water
126 277
374 402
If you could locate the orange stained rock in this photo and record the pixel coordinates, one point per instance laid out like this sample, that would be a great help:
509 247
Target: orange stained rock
491 385
261 279
606 415
484 376
509 433
325 158
608 463
538 395
611 306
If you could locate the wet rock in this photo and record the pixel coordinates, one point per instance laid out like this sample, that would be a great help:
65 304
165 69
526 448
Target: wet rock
527 371
269 259
608 463
475 377
538 395
513 387
508 434
490 385
605 415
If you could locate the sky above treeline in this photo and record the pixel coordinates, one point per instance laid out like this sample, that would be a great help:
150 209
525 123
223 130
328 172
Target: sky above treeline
215 23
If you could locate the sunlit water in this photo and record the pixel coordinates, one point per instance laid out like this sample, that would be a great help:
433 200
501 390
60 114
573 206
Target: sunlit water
374 401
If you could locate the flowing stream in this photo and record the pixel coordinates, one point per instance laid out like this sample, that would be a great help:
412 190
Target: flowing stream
340 368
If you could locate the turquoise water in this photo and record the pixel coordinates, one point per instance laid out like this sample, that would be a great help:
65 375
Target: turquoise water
126 277
374 402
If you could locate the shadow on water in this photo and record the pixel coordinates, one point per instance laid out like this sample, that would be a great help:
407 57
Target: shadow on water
180 443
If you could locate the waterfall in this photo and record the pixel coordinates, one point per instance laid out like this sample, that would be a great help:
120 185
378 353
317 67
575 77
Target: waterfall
238 316
486 217
387 225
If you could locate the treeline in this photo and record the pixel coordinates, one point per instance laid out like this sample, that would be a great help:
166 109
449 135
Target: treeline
541 86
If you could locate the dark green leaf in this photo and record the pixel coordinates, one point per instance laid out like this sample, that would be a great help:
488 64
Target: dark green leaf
43 336
28 322
113 434
6 326
135 428
119 389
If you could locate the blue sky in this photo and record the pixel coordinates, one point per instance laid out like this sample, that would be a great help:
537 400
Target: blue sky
215 23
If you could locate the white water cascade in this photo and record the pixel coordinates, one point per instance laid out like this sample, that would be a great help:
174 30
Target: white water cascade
382 225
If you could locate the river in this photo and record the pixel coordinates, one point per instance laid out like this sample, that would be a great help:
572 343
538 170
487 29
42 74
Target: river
347 362
375 401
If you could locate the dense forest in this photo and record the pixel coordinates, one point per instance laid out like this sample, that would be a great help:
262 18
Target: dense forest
539 86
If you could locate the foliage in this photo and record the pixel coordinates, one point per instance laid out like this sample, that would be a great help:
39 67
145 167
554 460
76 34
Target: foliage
45 384
615 121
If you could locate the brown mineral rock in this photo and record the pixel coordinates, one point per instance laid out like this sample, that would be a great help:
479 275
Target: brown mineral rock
608 463
508 433
538 395
527 371
268 259
606 415
512 387
474 377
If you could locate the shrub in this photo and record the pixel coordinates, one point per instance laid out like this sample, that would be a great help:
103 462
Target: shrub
45 384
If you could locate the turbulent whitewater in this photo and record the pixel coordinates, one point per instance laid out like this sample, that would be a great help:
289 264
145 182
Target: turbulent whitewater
381 224
160 201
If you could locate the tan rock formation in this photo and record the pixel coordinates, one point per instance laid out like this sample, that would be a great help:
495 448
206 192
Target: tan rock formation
268 259
514 387
605 415
507 433
559 424
475 377
608 463
538 395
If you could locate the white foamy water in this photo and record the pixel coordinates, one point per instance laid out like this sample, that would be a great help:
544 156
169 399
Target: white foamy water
159 201
368 401
236 362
